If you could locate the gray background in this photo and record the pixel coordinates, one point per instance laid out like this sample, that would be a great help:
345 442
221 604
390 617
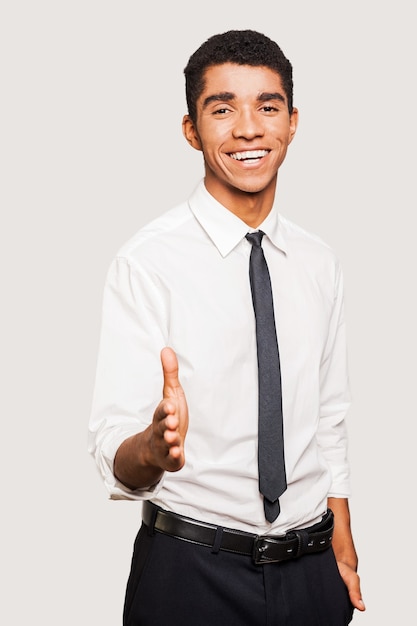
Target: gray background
91 149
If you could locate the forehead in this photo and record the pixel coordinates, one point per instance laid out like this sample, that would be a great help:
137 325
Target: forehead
244 81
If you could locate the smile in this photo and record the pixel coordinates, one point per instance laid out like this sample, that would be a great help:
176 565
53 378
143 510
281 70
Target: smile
248 155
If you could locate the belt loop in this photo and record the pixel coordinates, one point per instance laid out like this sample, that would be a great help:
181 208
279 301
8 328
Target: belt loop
153 512
303 541
217 540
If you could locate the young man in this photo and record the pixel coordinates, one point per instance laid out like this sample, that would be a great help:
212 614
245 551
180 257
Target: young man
179 316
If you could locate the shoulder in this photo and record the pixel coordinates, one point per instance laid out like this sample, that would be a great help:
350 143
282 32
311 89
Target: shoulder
153 236
312 258
304 243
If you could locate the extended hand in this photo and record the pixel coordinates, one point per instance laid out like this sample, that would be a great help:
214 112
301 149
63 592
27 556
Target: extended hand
170 420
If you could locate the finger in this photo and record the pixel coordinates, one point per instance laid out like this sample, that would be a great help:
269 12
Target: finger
170 430
356 600
176 454
165 410
352 581
170 371
359 604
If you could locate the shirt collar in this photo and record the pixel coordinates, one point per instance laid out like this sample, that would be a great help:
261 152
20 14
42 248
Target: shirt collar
225 229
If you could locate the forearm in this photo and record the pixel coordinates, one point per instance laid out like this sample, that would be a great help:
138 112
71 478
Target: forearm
343 545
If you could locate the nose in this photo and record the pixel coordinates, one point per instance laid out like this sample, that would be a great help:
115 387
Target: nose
248 125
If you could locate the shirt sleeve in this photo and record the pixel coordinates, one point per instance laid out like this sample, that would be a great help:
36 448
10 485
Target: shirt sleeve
335 397
128 383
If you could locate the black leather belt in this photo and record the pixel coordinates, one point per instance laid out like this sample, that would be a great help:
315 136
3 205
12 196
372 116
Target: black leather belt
262 548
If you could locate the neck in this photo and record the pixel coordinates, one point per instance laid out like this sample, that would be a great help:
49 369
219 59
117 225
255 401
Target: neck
251 208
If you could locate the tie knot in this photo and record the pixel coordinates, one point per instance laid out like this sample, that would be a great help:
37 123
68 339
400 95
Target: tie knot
255 238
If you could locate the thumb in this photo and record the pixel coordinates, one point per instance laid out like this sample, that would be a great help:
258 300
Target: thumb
170 371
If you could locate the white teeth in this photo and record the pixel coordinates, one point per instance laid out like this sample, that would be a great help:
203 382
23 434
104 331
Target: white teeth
249 154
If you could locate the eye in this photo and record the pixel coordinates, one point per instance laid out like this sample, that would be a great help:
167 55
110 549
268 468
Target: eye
269 109
221 111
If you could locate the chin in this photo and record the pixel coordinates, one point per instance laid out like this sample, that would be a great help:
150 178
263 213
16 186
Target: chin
253 187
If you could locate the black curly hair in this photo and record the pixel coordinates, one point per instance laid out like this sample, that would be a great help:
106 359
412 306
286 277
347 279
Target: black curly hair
243 47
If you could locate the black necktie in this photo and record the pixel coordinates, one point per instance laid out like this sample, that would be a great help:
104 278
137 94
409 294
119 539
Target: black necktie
272 480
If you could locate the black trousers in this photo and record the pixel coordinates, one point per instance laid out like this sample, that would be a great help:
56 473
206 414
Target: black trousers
181 584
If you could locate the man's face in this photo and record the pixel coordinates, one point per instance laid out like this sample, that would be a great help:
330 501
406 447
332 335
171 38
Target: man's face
243 128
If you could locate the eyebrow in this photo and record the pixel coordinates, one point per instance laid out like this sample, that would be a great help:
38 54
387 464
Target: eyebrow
227 96
265 96
224 96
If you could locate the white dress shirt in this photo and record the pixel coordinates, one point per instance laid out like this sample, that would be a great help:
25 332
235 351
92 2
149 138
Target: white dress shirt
183 281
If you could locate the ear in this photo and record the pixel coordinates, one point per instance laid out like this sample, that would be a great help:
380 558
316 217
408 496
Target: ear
189 131
293 124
